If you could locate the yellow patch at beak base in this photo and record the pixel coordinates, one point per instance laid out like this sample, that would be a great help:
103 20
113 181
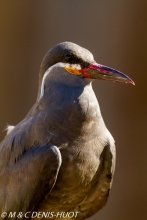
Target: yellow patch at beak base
73 71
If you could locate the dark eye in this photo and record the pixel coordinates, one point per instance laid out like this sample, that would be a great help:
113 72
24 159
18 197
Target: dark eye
68 57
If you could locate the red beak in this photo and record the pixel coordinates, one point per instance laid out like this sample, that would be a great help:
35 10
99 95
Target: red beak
98 71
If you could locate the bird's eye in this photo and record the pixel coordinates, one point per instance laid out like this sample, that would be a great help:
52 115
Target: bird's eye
68 57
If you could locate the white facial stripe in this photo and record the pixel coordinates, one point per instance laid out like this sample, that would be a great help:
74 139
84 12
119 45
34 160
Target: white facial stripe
74 66
44 77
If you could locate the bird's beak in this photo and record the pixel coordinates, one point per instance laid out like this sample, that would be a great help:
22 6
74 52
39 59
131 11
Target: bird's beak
98 71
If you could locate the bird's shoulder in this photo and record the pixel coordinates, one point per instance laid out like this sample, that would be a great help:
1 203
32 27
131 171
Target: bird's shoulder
18 149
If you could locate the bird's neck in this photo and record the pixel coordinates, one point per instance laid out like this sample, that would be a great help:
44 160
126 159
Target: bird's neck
77 105
67 114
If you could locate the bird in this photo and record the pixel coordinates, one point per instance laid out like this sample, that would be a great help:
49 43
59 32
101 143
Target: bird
60 159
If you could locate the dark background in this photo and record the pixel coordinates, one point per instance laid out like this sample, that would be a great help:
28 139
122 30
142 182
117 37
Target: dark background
116 33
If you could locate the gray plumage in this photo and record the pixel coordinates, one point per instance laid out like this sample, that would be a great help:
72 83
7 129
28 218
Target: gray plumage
61 157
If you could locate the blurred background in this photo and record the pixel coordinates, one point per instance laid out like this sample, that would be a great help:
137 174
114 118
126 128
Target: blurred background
116 33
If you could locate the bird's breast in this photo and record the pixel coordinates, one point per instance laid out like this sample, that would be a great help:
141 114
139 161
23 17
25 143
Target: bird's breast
75 126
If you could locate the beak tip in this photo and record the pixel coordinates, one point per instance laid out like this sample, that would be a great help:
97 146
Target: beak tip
132 82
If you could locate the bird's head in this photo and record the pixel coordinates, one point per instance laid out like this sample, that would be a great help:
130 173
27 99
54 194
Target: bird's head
78 62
